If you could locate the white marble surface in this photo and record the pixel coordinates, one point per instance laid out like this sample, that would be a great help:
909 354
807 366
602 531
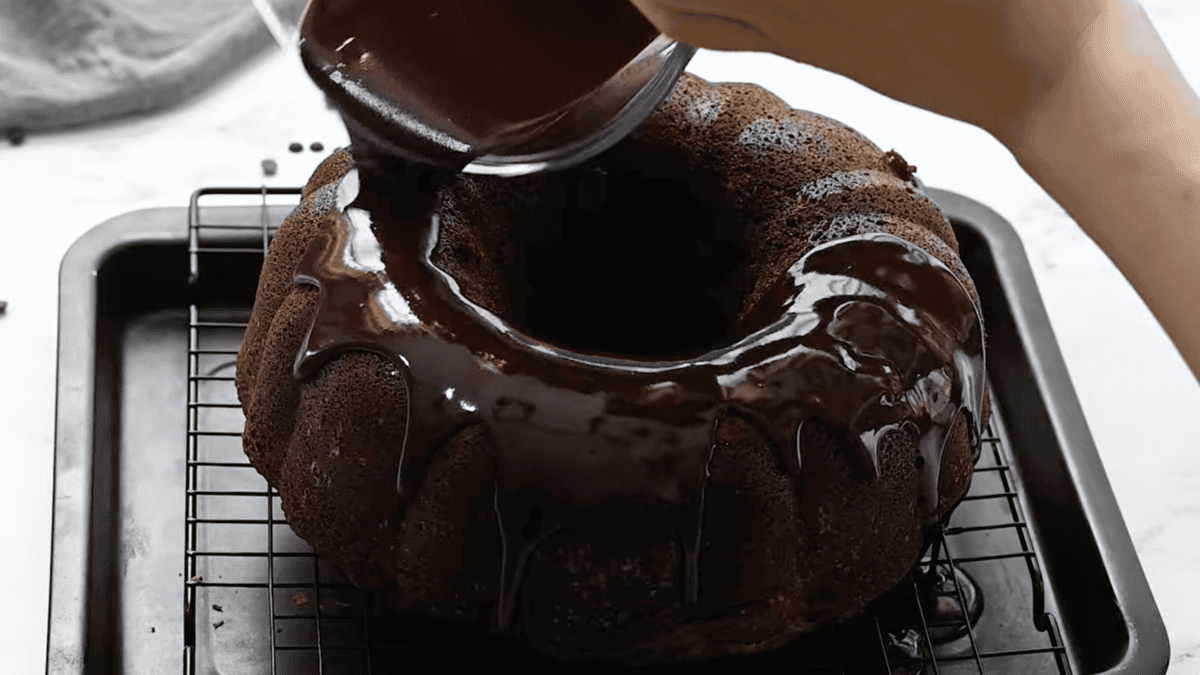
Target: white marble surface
1137 394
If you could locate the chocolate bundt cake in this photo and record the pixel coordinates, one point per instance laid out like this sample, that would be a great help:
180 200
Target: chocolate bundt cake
702 394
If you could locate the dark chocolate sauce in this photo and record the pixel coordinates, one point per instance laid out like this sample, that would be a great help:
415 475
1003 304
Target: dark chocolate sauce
873 335
480 75
869 334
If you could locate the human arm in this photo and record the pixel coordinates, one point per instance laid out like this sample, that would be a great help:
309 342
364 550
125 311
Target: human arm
1083 93
1117 144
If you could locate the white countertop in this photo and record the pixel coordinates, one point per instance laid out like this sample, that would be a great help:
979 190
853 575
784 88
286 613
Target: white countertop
1137 394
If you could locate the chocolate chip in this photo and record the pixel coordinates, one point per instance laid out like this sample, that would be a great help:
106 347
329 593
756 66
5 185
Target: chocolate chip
317 146
296 147
15 135
269 167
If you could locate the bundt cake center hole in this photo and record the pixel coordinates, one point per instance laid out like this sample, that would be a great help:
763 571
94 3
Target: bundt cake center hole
635 265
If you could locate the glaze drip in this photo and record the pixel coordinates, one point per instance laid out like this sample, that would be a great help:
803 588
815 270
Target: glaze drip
873 335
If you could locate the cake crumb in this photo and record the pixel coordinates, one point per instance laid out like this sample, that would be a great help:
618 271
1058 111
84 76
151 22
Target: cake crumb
218 608
197 578
301 600
218 624
903 169
733 430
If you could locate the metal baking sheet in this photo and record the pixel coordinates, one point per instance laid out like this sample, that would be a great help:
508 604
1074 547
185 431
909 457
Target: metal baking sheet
132 366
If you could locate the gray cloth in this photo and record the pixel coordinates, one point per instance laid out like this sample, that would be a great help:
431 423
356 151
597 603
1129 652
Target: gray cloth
72 62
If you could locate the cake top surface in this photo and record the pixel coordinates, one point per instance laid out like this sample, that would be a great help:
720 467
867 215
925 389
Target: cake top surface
869 332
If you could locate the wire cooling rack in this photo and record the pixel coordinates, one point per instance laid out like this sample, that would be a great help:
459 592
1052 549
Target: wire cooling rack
258 600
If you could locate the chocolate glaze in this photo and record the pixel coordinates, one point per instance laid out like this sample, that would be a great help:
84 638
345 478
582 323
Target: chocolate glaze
468 70
872 335
869 334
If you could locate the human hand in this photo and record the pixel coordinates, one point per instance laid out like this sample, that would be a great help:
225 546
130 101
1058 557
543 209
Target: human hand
986 62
